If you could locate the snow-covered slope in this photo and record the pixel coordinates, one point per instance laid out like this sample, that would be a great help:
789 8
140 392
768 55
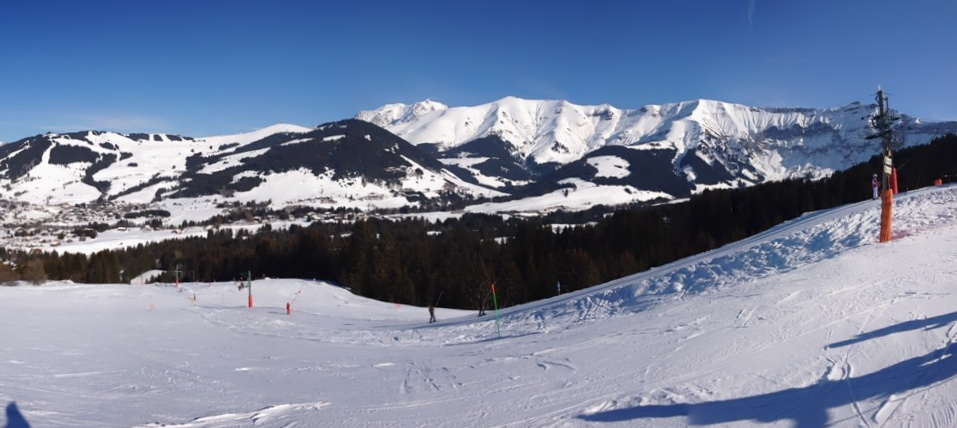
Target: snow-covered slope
810 324
256 135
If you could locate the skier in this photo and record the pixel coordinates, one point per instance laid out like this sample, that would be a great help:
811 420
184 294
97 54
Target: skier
483 305
431 313
875 184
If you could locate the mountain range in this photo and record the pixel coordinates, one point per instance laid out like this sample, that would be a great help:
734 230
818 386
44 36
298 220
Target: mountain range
705 144
509 155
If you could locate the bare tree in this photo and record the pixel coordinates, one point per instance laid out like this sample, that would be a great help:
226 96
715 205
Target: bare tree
34 272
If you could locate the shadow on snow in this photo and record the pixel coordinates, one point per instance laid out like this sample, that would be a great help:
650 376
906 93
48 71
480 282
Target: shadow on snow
807 407
928 323
14 418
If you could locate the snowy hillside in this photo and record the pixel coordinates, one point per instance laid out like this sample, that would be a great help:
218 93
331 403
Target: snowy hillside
346 164
708 143
62 174
810 324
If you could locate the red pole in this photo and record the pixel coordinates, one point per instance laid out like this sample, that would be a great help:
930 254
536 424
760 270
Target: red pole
288 309
249 277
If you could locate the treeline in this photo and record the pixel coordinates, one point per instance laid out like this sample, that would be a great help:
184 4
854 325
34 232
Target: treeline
414 261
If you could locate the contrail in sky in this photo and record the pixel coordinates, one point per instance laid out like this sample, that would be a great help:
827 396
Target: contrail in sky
750 12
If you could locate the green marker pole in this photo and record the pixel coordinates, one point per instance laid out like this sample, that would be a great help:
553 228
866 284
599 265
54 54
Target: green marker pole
495 302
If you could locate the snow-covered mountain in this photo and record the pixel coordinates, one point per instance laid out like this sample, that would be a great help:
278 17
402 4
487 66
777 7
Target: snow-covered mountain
350 164
529 155
703 143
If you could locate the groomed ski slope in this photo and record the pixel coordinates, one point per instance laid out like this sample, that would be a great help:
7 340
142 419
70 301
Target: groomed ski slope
810 324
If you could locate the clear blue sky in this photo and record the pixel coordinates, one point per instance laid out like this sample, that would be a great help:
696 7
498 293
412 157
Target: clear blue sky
212 67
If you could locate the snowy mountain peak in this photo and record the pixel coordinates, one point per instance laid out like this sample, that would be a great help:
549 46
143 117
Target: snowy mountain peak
427 106
399 113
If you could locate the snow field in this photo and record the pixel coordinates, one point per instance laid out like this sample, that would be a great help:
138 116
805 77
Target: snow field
812 323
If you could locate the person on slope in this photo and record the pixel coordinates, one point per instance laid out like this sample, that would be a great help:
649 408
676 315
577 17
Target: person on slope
483 304
875 185
431 313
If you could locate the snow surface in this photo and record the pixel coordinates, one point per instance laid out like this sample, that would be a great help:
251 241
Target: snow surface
609 166
810 324
579 195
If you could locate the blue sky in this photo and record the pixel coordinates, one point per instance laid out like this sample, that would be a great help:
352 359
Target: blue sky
205 67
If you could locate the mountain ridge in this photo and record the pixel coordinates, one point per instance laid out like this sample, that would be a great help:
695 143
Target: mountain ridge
510 155
729 145
88 166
